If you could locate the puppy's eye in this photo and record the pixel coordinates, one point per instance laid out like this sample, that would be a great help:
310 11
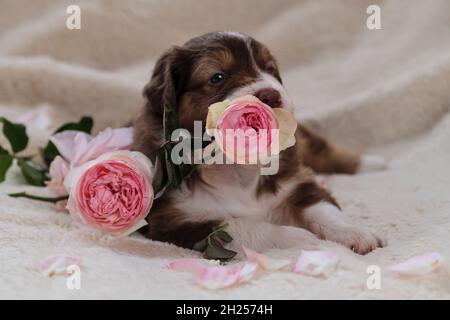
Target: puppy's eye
271 69
217 78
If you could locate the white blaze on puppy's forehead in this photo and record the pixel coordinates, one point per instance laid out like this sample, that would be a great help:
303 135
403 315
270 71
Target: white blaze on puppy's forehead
264 81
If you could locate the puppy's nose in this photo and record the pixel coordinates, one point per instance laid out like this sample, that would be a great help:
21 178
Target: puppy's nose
269 96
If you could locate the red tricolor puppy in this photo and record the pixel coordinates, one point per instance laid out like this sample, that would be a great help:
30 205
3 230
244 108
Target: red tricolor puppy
262 211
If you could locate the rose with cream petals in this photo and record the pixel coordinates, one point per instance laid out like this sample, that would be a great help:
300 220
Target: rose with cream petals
247 130
112 194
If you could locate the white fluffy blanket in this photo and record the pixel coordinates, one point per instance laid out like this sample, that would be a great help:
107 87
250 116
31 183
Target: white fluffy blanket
386 90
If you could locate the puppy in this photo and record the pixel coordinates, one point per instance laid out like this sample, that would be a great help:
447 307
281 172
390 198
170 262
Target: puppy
262 212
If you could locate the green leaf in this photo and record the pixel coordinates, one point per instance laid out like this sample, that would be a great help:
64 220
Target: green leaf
6 161
201 245
84 125
50 152
220 227
16 135
218 253
213 241
224 236
33 174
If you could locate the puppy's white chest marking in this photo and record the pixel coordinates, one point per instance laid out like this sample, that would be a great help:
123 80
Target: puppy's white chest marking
230 193
227 194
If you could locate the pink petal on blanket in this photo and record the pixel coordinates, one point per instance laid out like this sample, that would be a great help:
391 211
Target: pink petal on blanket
419 265
190 265
210 275
265 262
316 263
56 265
226 276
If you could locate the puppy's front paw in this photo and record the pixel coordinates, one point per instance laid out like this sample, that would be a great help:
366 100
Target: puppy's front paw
361 240
370 163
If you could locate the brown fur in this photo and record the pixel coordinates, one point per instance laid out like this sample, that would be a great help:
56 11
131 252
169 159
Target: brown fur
181 79
166 224
323 157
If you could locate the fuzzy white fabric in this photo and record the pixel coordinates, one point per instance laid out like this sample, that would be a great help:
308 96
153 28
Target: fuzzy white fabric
386 90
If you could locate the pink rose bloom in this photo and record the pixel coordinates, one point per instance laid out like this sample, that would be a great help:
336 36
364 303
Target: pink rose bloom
112 194
77 148
247 130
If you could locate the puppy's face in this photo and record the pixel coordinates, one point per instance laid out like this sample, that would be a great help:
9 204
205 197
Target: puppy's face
212 68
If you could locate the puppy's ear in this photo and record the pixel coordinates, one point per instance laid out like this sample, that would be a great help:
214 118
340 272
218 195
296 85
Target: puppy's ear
164 88
167 80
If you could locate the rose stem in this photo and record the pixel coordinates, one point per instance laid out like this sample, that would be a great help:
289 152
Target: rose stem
32 197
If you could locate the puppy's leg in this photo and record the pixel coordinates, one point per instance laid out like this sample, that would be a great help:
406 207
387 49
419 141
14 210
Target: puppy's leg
323 157
185 234
261 236
313 208
167 224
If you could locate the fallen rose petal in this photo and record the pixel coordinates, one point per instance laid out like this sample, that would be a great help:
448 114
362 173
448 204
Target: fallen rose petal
191 265
225 276
265 262
247 271
212 276
418 265
186 265
56 265
316 263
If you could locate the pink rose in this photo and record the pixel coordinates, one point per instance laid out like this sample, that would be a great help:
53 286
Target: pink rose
77 148
247 130
113 193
